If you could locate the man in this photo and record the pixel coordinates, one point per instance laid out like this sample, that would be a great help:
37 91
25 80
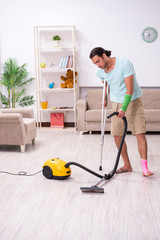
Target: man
125 94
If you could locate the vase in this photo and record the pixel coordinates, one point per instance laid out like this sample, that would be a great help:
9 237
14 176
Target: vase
56 43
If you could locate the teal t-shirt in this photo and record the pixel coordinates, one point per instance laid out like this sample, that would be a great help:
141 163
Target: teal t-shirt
115 79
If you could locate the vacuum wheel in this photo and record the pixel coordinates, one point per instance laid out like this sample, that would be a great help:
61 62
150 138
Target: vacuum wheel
47 172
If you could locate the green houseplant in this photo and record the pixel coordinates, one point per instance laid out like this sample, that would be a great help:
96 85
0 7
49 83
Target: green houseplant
14 79
56 40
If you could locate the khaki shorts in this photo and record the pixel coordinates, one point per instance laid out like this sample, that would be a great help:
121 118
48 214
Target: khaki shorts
135 118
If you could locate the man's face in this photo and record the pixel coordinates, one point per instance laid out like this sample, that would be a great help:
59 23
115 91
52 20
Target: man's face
99 61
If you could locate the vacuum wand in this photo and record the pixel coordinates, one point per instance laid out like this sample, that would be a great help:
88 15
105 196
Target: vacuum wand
103 122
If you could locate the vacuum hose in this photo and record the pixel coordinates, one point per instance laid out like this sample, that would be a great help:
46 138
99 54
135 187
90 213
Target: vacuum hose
110 175
86 169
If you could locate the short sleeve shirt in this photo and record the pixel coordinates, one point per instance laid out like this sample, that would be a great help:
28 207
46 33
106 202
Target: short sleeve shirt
116 80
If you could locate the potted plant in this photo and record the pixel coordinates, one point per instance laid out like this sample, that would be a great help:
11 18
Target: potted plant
14 79
56 40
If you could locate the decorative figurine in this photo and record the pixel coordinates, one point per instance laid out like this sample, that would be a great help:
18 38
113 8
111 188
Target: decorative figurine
51 85
42 65
51 65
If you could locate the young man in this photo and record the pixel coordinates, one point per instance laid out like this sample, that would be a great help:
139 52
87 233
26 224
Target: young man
125 95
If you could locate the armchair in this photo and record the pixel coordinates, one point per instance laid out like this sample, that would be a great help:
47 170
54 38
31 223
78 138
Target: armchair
17 127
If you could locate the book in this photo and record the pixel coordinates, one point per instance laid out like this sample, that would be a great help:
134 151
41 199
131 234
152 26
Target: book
71 62
66 62
61 62
67 59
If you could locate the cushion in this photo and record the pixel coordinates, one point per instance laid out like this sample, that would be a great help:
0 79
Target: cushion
26 112
152 115
151 99
7 118
94 99
95 115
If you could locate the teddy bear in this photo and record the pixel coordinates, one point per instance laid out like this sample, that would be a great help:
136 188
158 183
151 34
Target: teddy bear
68 80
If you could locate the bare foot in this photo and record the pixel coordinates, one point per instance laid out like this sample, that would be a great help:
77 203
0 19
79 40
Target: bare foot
147 174
124 170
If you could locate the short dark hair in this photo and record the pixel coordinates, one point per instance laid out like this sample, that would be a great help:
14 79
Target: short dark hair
99 52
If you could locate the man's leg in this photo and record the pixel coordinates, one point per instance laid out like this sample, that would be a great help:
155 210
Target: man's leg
127 166
142 147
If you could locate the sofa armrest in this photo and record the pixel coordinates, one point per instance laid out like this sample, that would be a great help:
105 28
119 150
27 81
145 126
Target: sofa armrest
81 107
26 112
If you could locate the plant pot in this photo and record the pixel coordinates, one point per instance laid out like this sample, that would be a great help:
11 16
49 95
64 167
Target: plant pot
56 43
44 105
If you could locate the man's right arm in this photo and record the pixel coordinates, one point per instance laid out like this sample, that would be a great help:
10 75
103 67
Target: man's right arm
105 95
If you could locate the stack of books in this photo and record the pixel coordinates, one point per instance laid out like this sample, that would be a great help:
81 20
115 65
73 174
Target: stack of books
66 62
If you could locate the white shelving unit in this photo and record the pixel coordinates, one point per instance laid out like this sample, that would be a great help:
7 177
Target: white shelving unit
59 99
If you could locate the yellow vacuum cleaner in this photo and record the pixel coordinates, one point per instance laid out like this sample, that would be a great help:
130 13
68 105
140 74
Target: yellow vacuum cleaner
56 168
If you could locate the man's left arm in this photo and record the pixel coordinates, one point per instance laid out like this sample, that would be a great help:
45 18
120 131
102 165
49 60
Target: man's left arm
129 85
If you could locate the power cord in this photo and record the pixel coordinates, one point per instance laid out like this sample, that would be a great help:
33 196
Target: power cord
21 173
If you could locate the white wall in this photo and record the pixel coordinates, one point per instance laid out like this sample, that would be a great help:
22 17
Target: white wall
116 25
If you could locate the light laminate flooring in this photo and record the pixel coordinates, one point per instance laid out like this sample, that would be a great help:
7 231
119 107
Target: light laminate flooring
35 208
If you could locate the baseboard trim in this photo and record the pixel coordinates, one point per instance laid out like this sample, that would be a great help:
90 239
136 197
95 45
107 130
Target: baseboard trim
47 124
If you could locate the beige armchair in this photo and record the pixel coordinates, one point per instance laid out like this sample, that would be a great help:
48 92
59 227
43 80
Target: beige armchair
17 127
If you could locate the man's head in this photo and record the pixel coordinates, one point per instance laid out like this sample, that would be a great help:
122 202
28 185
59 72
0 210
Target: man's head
99 56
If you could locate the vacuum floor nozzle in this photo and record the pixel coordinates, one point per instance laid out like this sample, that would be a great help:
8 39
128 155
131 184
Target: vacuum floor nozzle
92 189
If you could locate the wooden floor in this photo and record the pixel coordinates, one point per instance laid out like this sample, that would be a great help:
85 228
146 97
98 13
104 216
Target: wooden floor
35 208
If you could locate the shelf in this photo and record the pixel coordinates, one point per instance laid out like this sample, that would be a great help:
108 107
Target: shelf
56 89
62 55
56 49
57 110
69 26
53 69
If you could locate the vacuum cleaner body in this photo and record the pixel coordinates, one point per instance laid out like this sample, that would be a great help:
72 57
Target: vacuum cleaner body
55 169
